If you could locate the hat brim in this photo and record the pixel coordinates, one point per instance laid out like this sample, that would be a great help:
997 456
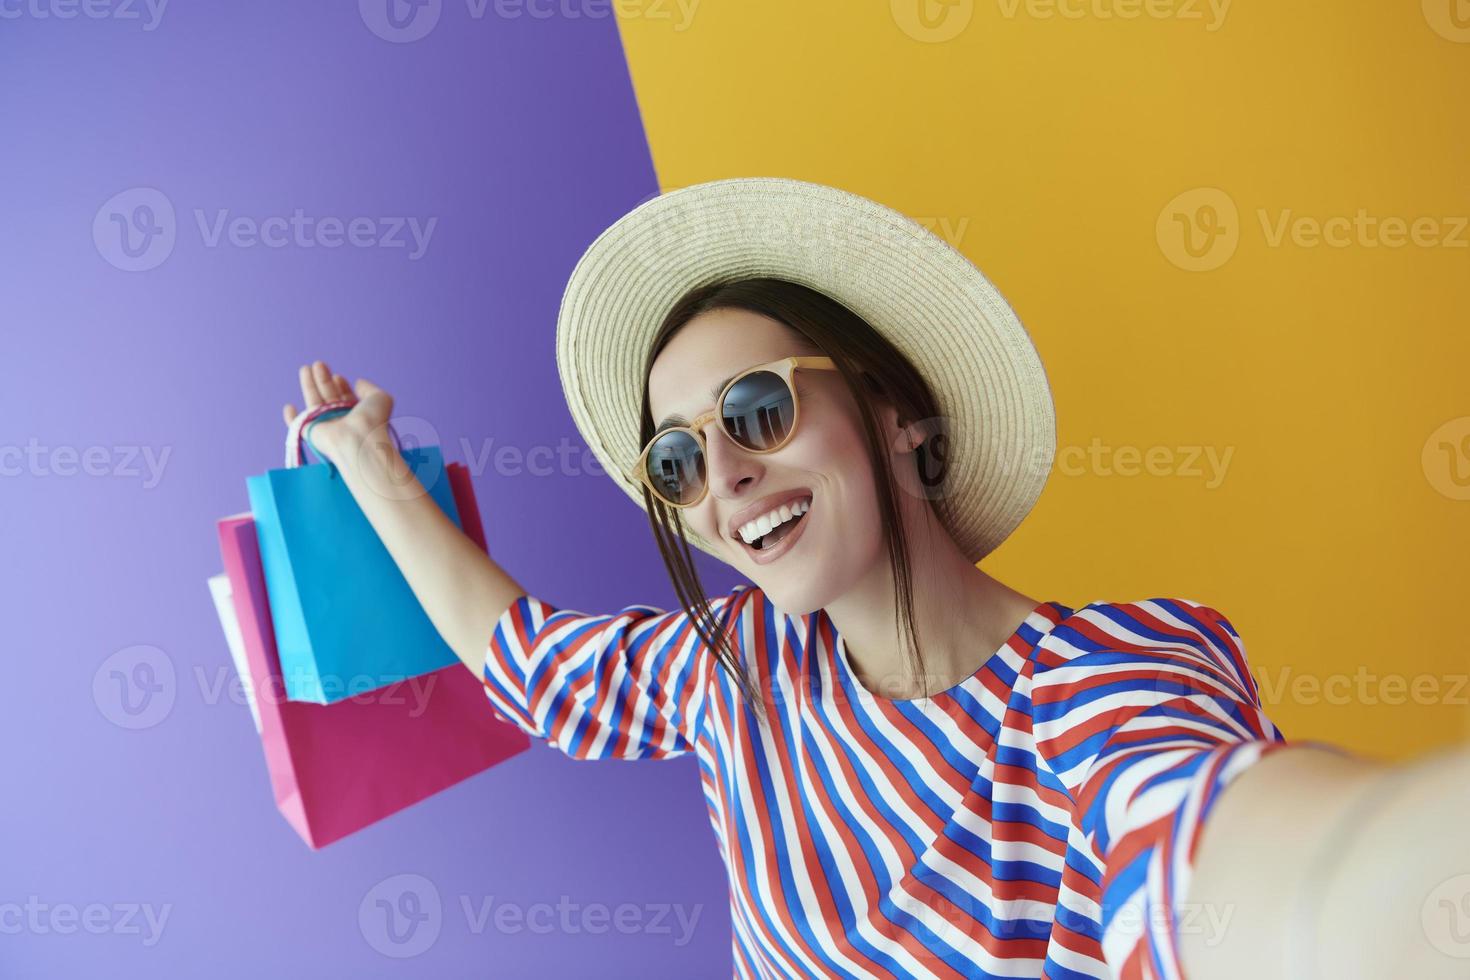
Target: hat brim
916 289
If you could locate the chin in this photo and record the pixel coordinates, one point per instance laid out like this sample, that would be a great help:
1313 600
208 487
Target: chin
801 584
801 599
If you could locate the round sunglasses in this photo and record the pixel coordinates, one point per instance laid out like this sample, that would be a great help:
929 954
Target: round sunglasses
757 409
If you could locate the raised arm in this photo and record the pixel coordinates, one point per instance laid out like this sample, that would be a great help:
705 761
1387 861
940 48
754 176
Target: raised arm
629 685
462 589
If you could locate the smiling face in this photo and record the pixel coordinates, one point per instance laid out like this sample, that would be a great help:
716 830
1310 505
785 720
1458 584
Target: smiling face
839 540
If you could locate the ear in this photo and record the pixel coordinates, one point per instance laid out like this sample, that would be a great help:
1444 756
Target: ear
903 437
900 435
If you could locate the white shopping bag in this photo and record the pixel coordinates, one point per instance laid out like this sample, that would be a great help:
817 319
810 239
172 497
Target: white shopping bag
219 587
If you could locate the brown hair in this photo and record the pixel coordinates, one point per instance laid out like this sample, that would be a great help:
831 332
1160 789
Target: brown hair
871 366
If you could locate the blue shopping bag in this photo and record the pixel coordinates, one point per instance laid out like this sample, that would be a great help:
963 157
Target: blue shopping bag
346 621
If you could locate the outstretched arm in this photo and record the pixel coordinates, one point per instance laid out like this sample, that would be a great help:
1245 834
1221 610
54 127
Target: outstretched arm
1225 850
1320 864
461 589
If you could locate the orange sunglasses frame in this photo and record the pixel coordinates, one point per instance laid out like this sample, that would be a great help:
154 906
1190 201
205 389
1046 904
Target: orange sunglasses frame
785 368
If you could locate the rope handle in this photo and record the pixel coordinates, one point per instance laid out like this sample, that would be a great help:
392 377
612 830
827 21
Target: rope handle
298 433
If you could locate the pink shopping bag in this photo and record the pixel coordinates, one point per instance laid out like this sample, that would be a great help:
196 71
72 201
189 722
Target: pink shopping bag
336 768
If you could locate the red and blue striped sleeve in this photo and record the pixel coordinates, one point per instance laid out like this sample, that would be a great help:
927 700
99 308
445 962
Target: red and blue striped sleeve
1145 712
624 685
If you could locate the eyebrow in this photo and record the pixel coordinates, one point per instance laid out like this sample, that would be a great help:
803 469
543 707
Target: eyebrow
674 420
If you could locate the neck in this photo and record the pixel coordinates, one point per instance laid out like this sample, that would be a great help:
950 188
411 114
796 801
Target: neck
961 617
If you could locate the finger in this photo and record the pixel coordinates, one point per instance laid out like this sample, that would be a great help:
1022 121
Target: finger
289 412
344 390
308 388
324 383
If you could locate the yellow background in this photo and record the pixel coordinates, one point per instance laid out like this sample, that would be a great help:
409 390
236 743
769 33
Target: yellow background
1047 148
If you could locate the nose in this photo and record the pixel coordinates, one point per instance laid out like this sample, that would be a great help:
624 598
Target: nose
728 467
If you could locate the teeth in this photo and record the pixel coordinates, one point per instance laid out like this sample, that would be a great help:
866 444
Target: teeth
767 522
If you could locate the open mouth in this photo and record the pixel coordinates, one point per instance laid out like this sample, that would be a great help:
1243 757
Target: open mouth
775 535
767 540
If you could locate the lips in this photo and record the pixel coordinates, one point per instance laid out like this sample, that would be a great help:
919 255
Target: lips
763 506
774 551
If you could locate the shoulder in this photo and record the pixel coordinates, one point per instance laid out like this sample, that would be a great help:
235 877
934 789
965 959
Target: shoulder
1159 642
1145 624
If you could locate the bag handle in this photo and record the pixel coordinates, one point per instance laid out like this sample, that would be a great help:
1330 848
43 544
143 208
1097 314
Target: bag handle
298 433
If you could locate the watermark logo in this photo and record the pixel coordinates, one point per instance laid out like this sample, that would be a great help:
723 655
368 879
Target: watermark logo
419 472
135 229
1199 229
1450 19
932 21
1445 917
400 21
135 687
1446 458
401 916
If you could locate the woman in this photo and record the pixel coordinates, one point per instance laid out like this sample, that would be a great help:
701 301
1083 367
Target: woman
912 769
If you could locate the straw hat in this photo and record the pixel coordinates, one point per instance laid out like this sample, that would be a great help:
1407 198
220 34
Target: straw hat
917 290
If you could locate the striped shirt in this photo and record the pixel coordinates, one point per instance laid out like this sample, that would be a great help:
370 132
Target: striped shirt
1038 819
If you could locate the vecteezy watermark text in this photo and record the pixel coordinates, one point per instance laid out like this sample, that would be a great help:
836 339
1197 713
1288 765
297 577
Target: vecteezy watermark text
126 462
136 230
934 22
512 460
138 686
1208 463
403 916
404 21
148 12
1199 230
305 231
40 918
1362 687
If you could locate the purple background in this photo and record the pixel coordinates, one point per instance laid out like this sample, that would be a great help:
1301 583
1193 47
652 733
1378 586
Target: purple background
522 137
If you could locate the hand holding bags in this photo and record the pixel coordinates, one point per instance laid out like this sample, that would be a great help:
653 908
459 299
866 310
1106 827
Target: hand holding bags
337 768
345 618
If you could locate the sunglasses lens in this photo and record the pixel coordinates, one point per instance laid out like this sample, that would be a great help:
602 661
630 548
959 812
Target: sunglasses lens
759 410
676 467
